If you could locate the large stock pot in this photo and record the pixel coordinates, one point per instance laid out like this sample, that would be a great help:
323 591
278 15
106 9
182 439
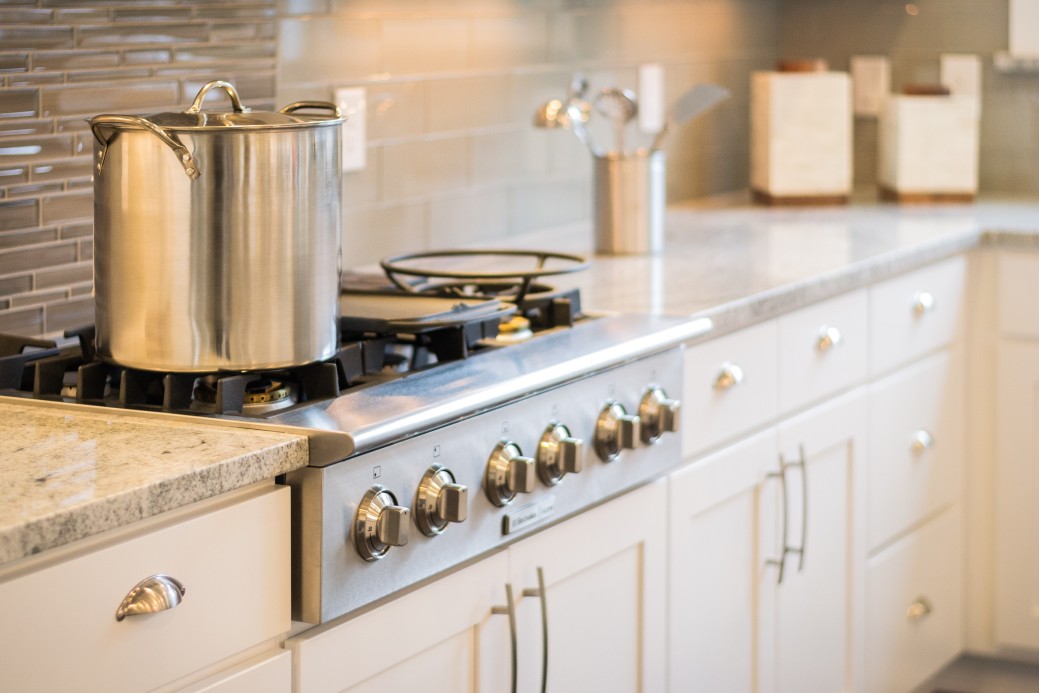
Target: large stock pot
217 236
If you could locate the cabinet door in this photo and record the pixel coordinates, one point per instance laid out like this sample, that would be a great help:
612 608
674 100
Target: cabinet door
717 549
1017 485
442 638
823 581
605 579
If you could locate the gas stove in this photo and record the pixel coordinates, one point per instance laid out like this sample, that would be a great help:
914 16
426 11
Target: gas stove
450 423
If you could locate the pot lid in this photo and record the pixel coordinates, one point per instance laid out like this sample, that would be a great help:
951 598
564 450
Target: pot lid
194 118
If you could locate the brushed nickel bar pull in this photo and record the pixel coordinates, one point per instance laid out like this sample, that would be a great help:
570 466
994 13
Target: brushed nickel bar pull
539 592
510 610
781 561
804 507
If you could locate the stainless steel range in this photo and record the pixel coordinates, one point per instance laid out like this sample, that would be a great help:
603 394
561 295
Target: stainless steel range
451 422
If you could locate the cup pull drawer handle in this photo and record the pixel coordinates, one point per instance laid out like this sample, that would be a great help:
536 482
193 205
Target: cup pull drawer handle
923 302
919 609
728 377
828 337
150 596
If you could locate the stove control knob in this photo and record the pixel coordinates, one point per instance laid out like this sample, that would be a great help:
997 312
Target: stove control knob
658 414
380 524
508 473
615 430
439 501
558 454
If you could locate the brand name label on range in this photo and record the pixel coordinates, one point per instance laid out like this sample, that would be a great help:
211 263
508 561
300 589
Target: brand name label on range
527 515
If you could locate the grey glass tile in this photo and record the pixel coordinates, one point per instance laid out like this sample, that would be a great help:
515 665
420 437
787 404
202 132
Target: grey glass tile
59 209
82 15
12 239
128 97
246 51
254 85
24 15
61 170
74 125
15 284
13 175
79 184
86 249
19 103
29 79
136 34
38 257
5 303
64 275
14 62
35 189
77 230
19 214
148 57
66 60
238 10
23 321
168 13
37 298
66 315
109 75
34 148
21 37
294 8
239 31
81 289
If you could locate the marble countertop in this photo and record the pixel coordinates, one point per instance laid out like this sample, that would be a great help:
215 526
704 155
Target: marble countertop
67 473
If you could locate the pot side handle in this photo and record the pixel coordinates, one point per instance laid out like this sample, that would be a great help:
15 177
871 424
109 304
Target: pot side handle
99 124
318 105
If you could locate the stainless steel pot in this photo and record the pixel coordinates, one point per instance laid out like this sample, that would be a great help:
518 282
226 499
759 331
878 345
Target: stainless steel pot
217 237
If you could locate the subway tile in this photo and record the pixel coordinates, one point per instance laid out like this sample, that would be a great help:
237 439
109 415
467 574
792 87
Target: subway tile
27 149
239 10
478 216
12 239
297 8
136 34
584 36
24 15
129 97
548 203
36 298
423 46
327 49
372 234
361 188
20 214
508 156
22 321
468 103
507 41
15 284
396 109
65 315
414 169
59 209
382 8
57 61
18 103
39 257
25 36
62 170
69 273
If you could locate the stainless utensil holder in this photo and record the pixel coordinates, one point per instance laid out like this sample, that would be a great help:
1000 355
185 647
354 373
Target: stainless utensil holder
629 202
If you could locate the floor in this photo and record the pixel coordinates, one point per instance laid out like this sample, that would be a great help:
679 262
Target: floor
979 675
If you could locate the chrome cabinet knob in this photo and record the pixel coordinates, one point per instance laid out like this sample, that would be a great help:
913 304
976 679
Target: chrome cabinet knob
923 302
658 415
380 524
615 430
919 609
728 377
828 337
558 454
508 473
439 501
922 441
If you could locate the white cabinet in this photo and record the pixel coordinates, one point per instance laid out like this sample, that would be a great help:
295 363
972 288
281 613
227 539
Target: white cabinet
764 569
60 629
605 582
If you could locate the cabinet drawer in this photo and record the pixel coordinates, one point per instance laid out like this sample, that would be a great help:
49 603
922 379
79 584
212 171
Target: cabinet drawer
60 629
717 407
1018 282
914 314
916 455
822 350
914 619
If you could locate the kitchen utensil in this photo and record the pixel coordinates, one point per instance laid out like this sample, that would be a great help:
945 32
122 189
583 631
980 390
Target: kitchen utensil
577 125
629 202
217 236
691 104
619 106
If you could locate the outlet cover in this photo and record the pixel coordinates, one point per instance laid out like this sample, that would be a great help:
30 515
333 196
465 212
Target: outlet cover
353 102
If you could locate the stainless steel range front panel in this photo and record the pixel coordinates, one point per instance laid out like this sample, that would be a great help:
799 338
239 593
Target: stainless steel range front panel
331 577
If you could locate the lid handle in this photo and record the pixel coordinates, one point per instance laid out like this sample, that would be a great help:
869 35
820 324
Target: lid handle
236 102
318 105
102 124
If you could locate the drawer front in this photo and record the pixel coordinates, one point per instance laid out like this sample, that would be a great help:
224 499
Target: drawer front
60 630
730 387
916 445
822 350
914 314
914 617
1018 285
269 673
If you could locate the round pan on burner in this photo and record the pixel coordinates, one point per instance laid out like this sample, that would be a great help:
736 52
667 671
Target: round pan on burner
413 313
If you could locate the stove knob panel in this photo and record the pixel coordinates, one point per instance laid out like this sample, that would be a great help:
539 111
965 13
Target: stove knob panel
616 430
558 454
439 501
508 473
380 524
658 414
